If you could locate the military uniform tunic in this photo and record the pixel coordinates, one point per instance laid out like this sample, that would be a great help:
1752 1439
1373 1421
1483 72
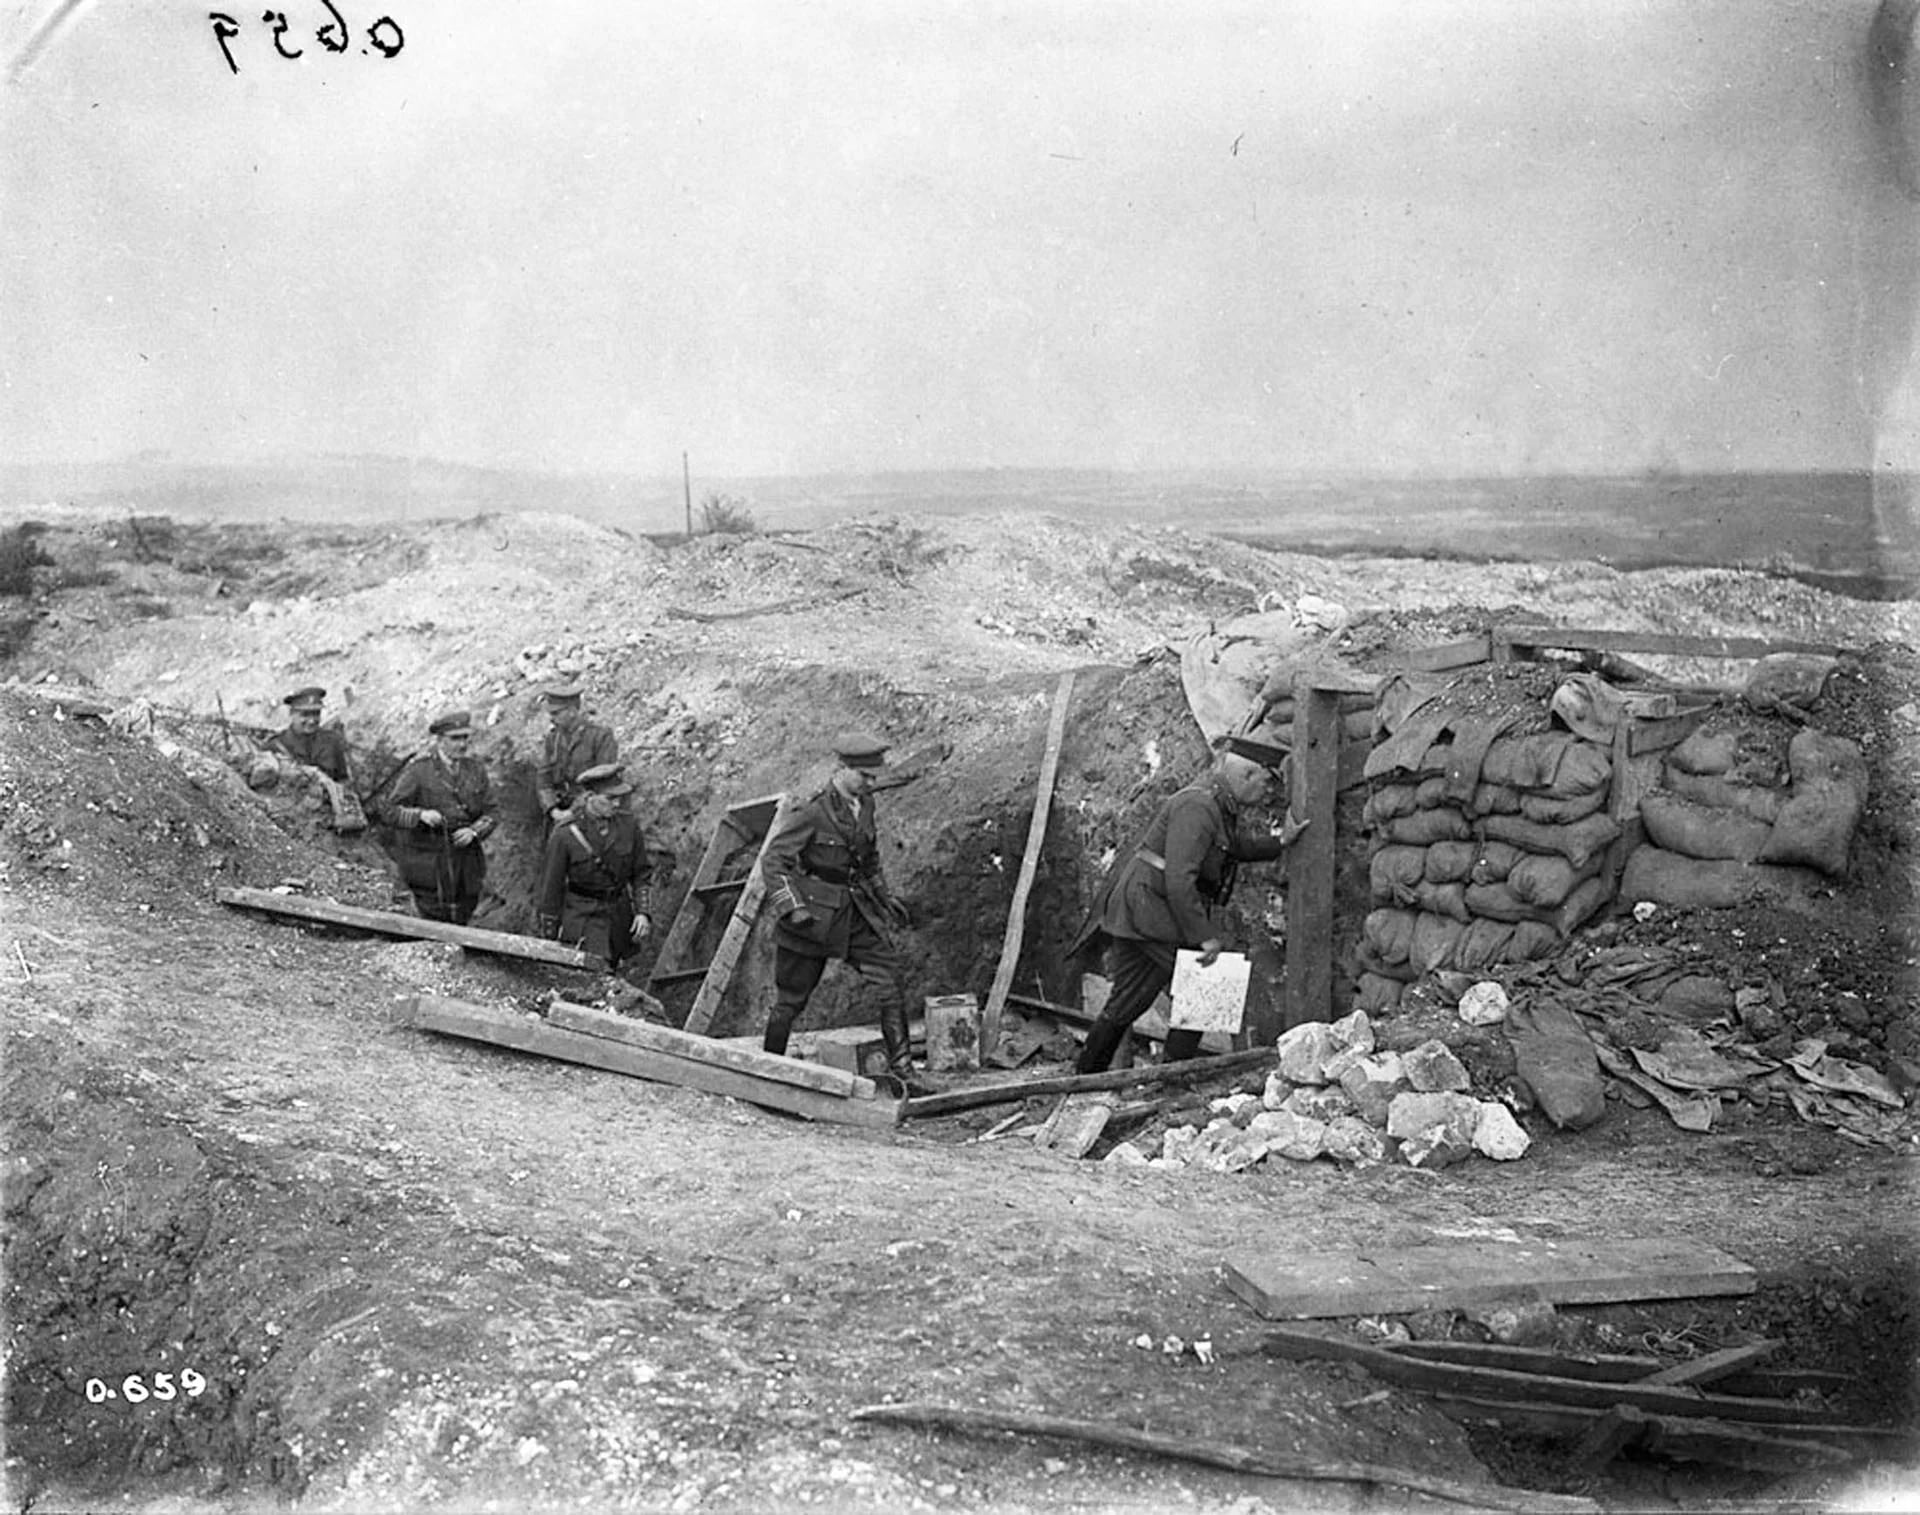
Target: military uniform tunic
565 755
324 748
596 878
445 879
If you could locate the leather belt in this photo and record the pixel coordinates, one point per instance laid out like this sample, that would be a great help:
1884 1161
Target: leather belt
1151 859
595 894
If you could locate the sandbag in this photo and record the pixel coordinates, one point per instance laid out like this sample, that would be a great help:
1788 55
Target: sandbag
1450 862
1532 940
1554 762
1723 793
1375 993
1393 873
1449 900
1553 810
1427 826
1694 830
1493 861
1586 901
1434 941
1790 679
1481 945
1546 881
1670 878
1554 1057
1495 799
1497 902
1815 826
1578 843
1389 802
1724 754
1389 934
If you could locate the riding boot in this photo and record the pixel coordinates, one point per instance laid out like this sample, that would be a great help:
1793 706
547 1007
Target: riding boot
894 1036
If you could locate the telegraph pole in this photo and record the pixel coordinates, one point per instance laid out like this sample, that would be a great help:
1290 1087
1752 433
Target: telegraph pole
686 488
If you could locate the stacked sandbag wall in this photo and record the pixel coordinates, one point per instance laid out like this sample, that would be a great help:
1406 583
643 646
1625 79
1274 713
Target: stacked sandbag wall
1731 817
1469 870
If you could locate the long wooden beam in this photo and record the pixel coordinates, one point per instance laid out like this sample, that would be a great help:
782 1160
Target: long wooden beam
1310 860
704 1049
1029 862
528 1033
1118 1078
391 923
1580 640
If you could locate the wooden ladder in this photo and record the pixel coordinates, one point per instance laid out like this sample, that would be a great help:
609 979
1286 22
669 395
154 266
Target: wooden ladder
690 951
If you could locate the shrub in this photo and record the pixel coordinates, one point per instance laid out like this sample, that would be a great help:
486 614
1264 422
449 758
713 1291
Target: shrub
727 513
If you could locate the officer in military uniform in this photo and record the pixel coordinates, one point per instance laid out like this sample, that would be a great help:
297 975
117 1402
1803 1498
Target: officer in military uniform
829 899
441 807
1164 894
573 745
305 740
595 888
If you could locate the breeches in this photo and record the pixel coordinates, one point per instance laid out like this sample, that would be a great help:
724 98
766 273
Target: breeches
872 956
1141 973
602 927
446 882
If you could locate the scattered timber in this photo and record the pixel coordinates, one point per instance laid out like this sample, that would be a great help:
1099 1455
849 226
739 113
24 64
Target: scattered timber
1298 1344
1600 1367
704 1049
1029 862
1398 1280
1567 639
528 1033
1119 1078
1715 1366
391 923
776 607
1212 1454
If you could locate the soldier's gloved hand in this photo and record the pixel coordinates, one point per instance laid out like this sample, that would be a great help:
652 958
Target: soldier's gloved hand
432 819
466 836
800 915
642 926
1209 952
1290 829
560 815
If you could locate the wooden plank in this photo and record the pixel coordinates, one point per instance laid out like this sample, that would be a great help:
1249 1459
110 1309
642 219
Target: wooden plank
1117 1078
1569 639
1076 1123
1351 767
746 910
390 923
1302 1343
1284 1285
1029 862
1334 681
523 1033
1447 656
1310 860
704 1049
1665 731
1607 1436
1715 1365
1782 1448
1593 1366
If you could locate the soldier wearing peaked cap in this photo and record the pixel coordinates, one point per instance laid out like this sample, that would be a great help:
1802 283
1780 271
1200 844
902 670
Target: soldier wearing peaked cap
305 740
830 900
595 887
573 745
441 807
1165 893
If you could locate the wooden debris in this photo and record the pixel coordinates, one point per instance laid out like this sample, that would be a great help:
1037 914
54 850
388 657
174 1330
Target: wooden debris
1715 1365
1606 1437
1315 784
1076 1123
1297 1343
702 1049
528 1033
1118 1078
389 923
1506 638
1235 1459
1395 1280
1029 862
1599 1367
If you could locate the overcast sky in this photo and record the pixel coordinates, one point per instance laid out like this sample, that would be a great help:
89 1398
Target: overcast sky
805 237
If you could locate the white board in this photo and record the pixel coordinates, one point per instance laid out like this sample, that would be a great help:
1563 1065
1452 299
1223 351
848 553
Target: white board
1209 999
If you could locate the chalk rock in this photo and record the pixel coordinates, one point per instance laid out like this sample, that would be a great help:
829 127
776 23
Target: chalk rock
1335 1068
1496 1134
1524 1323
1231 1105
1126 1155
1373 1083
1278 1091
1289 1135
1322 1105
1485 1004
1225 1148
1437 1146
1176 1147
1349 1139
1411 1114
1354 1032
1304 1051
1432 1069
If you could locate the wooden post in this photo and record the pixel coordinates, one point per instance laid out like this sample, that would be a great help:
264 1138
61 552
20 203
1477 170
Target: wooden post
1036 834
686 489
1310 860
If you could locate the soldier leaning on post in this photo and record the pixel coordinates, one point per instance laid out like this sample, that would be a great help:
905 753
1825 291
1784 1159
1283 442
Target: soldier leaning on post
595 888
305 740
573 745
830 899
441 807
1163 895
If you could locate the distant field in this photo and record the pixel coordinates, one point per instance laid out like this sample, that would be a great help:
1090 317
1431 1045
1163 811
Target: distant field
1824 526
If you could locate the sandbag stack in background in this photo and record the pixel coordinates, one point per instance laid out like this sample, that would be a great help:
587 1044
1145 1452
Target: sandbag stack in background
1741 808
1489 837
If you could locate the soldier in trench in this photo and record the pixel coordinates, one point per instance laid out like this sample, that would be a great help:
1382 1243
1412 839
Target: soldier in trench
441 808
830 900
595 887
573 745
1168 891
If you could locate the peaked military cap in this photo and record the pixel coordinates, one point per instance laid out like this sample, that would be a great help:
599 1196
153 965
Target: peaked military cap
1263 753
311 697
452 721
860 749
562 694
605 778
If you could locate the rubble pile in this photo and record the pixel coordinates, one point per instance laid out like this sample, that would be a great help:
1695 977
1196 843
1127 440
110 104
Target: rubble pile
1338 1094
